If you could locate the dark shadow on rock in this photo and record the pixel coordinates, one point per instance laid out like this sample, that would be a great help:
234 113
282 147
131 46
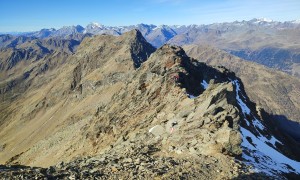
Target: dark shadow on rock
289 130
28 172
256 176
261 176
197 72
279 126
290 127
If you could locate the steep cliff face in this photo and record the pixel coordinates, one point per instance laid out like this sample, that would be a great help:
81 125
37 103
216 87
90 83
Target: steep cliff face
262 143
276 92
120 108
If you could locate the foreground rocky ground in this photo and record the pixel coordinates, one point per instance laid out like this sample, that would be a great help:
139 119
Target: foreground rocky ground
142 162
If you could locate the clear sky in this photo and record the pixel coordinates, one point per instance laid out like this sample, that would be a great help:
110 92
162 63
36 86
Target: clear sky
29 15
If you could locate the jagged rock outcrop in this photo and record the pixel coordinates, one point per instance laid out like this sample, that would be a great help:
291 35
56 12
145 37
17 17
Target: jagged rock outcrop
157 87
275 91
99 49
76 76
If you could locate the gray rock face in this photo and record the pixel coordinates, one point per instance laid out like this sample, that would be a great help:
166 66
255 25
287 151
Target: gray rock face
135 162
77 73
2 147
157 130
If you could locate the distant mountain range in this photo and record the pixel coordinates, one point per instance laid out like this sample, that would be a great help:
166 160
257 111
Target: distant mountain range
150 32
271 43
169 31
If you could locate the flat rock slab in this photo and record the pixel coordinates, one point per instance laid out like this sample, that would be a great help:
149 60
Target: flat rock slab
157 130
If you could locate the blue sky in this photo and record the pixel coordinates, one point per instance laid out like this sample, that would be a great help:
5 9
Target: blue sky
29 15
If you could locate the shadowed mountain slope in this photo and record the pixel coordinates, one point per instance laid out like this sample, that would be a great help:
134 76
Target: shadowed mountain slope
276 92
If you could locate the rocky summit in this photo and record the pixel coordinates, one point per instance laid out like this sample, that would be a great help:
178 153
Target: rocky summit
117 108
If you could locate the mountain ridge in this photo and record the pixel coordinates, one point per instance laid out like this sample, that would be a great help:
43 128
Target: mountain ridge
98 111
271 43
261 85
94 25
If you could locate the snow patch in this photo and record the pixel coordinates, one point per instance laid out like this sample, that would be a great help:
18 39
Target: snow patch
191 96
273 140
247 122
157 27
204 84
263 154
177 26
258 124
243 106
258 20
296 21
95 24
264 158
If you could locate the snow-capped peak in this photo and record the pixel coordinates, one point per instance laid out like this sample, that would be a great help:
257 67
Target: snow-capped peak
178 26
296 21
156 27
94 25
258 20
265 19
159 27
